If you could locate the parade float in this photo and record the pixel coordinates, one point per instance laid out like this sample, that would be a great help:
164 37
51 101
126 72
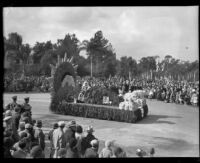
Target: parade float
96 102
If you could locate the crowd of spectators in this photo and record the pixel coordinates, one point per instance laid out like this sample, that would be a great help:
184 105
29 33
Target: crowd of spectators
25 138
17 83
179 92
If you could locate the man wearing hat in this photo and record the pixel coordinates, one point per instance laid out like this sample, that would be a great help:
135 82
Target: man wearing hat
69 131
86 140
16 117
39 134
50 137
58 139
12 105
26 107
30 132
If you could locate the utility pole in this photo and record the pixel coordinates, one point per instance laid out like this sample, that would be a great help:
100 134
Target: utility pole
91 66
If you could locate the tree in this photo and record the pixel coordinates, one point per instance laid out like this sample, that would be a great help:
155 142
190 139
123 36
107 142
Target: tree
68 45
38 52
98 50
12 47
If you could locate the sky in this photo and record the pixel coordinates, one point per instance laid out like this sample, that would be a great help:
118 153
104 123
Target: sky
132 31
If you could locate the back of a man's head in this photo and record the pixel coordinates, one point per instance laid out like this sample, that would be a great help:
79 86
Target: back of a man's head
22 143
36 152
22 135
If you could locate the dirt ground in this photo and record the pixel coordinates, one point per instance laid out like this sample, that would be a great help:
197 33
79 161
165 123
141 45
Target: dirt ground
173 130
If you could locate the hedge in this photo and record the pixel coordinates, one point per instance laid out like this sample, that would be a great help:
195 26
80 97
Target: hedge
101 112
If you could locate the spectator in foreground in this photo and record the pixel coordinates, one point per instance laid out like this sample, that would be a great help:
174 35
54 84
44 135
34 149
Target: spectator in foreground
58 139
39 135
50 137
72 151
118 152
107 151
92 152
7 145
86 141
21 152
37 152
69 131
62 153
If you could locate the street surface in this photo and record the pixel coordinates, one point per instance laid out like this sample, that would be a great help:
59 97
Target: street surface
173 130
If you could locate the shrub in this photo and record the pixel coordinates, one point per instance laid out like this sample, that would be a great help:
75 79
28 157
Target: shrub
101 112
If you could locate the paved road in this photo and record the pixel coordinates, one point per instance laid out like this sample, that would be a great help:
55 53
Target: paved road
173 130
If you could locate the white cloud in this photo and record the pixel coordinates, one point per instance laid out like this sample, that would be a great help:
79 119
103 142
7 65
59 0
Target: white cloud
133 31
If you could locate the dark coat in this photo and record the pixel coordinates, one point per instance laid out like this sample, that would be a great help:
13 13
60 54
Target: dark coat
91 153
15 119
39 137
72 153
86 142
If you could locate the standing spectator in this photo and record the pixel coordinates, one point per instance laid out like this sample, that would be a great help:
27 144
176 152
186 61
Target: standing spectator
13 104
37 152
7 144
92 152
72 151
107 151
79 138
86 142
21 127
26 107
62 153
8 123
21 136
69 131
118 152
58 139
39 135
16 117
21 153
50 137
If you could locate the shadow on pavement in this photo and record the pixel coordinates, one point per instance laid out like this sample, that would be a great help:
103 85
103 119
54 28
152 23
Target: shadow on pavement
155 119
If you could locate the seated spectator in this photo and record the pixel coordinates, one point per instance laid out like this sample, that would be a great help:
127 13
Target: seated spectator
92 152
72 151
107 151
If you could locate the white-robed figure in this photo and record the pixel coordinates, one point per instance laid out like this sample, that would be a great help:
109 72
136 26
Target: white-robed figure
84 88
133 101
